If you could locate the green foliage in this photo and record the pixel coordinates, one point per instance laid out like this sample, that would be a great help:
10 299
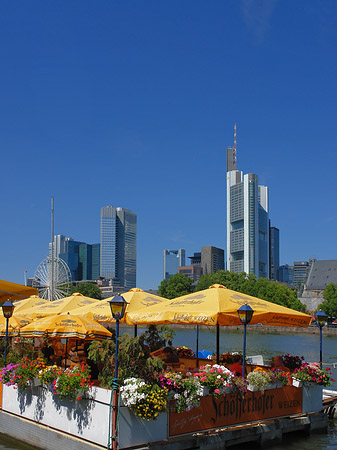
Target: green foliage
88 289
134 359
102 353
156 337
176 286
248 284
329 304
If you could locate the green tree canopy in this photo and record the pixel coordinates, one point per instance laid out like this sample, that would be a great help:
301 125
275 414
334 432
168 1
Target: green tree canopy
329 304
176 286
88 289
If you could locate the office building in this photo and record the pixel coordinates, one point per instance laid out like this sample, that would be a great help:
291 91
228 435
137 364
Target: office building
118 246
172 259
301 271
193 271
274 252
195 259
81 258
285 274
212 259
247 220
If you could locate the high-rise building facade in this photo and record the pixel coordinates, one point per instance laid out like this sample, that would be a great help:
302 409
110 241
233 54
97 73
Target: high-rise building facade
212 259
301 272
172 259
285 274
118 246
247 221
274 252
81 258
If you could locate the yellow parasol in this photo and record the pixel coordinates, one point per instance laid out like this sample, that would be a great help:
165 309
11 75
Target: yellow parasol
136 299
60 306
34 301
12 291
66 326
216 305
14 325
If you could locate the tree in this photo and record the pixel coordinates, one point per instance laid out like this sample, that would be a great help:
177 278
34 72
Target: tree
329 304
162 289
88 289
176 286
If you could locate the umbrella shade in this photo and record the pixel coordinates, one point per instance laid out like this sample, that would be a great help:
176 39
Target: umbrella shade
14 324
66 326
60 306
136 299
216 305
12 291
34 301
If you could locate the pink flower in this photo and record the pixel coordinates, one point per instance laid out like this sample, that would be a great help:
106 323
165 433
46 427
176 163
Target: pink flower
203 378
216 391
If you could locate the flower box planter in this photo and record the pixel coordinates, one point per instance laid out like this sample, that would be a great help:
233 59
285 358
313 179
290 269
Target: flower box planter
36 382
312 396
297 383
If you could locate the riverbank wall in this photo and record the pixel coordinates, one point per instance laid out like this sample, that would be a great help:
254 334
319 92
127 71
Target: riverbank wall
265 329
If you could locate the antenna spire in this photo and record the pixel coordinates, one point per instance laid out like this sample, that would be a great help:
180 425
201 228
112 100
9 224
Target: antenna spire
235 136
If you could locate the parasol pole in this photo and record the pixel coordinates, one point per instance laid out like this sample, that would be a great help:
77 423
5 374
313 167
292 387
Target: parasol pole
217 343
66 354
52 251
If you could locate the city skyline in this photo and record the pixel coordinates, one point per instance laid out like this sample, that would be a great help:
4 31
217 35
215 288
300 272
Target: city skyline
135 106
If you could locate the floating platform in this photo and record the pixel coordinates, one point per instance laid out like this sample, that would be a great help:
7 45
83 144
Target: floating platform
263 434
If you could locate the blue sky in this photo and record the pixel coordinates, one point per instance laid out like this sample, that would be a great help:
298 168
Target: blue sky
132 104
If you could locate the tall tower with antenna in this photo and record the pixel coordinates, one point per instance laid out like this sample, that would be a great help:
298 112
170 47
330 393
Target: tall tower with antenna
231 154
247 220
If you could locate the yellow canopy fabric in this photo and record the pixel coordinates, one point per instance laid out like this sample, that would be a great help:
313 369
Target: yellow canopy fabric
136 299
12 291
34 301
60 306
14 324
66 326
216 304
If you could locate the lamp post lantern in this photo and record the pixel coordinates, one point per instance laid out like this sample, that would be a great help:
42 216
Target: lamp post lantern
320 317
118 307
7 311
245 313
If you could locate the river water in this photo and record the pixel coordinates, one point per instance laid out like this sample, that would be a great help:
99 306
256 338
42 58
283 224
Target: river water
267 345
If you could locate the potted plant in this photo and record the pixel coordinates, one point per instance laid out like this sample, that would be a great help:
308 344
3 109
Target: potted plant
184 352
215 378
7 374
311 373
258 380
292 361
145 400
25 373
72 383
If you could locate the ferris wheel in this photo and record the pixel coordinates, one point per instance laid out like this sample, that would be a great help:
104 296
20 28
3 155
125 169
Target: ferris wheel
58 286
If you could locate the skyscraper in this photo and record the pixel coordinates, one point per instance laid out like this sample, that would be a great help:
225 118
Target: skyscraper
212 259
172 259
81 258
118 246
274 252
247 220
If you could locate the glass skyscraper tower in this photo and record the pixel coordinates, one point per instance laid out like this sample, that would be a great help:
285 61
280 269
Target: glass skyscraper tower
118 246
247 221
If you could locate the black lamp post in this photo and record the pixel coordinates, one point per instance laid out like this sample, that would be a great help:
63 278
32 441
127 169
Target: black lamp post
7 310
245 313
320 317
118 307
